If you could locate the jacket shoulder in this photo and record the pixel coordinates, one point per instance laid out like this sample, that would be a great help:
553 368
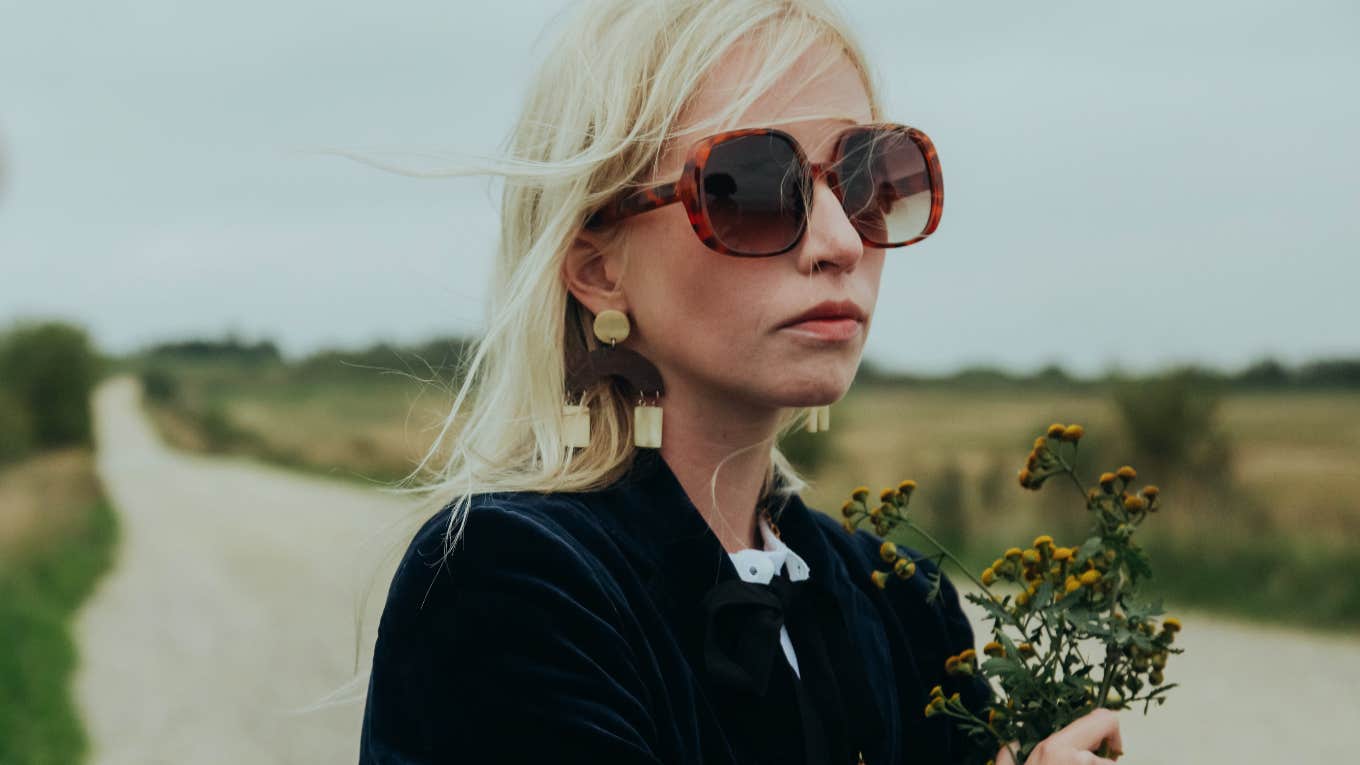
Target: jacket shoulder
498 534
514 627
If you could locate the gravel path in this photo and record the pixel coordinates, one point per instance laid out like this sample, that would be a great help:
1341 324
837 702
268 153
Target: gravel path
232 605
234 600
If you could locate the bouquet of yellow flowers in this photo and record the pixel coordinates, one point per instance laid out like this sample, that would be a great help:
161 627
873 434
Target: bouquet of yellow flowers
1063 600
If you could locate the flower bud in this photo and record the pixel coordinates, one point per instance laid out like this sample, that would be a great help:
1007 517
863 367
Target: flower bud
1056 430
1072 433
904 568
880 579
888 551
860 493
1127 473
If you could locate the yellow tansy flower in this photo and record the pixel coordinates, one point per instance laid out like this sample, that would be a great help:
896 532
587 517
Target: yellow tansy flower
1127 473
860 493
904 568
888 551
1056 430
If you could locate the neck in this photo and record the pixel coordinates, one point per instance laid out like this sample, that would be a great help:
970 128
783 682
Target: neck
704 434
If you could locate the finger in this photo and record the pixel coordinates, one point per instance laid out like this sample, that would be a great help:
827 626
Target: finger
1086 732
1003 757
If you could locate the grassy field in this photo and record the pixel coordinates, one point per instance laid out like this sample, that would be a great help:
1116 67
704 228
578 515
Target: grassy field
1275 535
57 535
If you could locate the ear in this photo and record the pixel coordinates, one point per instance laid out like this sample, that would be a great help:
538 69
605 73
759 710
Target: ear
591 271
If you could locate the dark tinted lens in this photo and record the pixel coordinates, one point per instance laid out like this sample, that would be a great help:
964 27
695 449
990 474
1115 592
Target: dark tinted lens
752 190
885 185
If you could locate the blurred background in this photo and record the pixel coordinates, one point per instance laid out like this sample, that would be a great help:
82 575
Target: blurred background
218 344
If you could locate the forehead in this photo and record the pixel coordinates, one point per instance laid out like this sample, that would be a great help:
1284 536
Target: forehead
821 92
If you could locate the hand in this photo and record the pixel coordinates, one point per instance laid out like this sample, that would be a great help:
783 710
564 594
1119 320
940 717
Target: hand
1076 744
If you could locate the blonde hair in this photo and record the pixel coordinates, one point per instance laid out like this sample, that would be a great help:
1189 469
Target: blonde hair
608 98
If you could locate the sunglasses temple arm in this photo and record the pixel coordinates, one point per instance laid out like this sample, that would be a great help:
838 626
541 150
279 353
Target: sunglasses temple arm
636 203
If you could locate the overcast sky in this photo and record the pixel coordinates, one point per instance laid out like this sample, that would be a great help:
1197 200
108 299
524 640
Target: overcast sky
1134 183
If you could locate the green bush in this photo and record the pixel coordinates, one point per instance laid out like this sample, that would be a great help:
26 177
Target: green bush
50 368
1172 426
160 386
16 432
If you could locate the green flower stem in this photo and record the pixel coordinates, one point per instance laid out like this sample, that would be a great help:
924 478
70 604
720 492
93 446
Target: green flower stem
1071 471
906 522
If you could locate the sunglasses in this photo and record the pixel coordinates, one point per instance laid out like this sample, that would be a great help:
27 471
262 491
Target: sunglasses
748 192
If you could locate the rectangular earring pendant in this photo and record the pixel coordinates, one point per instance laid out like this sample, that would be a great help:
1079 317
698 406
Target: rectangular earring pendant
647 426
577 424
818 419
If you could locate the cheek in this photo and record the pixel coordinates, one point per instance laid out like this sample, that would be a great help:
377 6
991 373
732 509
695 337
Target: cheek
694 306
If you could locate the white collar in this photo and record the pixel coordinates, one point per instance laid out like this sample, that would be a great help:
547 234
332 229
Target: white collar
761 565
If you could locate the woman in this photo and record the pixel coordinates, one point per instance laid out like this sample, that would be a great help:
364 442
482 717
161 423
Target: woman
580 599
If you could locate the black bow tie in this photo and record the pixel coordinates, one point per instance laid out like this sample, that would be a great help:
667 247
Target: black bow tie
741 637
741 647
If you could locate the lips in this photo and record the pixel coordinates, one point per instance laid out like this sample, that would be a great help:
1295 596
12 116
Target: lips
829 310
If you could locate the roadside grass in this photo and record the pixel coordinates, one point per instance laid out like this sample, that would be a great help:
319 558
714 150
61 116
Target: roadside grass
49 564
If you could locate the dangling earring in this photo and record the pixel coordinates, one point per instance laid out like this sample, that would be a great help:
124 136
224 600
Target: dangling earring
577 433
585 369
819 419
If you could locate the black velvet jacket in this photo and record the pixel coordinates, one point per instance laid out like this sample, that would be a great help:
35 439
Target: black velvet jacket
566 628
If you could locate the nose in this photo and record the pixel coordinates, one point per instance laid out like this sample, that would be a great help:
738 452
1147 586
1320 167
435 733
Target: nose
830 239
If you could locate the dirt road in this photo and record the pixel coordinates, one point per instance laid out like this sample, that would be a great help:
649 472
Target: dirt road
233 602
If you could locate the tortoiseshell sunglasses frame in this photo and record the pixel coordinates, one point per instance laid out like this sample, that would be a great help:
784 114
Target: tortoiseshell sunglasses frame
686 188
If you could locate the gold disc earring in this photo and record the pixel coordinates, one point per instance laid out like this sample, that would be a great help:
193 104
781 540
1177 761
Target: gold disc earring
612 327
587 368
